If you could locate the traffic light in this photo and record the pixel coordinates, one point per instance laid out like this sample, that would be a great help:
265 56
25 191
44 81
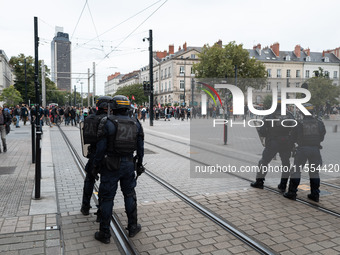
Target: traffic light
146 87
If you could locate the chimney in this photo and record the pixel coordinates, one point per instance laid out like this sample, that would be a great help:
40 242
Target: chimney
185 46
219 43
171 49
297 51
179 48
276 49
257 48
307 51
323 53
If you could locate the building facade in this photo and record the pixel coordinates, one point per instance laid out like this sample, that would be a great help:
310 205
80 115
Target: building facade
6 75
111 84
292 68
61 60
173 75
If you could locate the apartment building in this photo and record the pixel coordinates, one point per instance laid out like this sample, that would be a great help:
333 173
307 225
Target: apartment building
6 76
292 68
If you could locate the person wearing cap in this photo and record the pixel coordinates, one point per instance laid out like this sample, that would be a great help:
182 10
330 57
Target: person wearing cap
5 122
276 141
308 134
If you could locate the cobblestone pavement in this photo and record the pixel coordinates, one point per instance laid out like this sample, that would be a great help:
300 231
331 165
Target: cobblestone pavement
54 224
24 230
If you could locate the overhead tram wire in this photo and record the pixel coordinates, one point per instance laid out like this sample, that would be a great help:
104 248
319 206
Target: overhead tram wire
122 22
107 55
81 14
95 28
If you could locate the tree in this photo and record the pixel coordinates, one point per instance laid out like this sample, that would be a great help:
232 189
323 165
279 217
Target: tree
322 90
221 62
135 90
11 96
267 102
18 64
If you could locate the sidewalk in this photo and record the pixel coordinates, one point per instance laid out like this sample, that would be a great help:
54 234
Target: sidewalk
52 224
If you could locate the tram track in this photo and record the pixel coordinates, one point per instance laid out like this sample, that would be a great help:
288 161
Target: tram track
127 246
273 190
116 227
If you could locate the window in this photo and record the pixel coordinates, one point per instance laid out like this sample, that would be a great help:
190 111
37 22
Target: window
162 87
287 58
166 99
192 70
181 69
307 73
165 72
165 87
326 59
268 86
269 73
308 58
297 84
181 84
327 74
161 74
278 73
278 86
169 71
298 73
169 85
335 74
156 76
193 56
288 73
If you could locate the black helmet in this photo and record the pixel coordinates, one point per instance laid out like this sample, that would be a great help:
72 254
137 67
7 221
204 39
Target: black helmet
121 102
103 102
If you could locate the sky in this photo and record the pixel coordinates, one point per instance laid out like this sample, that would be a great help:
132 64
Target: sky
110 33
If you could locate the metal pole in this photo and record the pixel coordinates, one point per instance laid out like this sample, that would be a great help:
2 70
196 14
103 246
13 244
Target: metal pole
26 101
88 87
43 85
38 137
151 76
81 88
75 92
192 91
94 83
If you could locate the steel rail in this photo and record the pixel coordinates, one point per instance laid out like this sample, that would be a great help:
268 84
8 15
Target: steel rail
115 225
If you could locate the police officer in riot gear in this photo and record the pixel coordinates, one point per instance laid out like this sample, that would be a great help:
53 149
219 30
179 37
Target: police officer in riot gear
276 141
308 134
119 136
91 124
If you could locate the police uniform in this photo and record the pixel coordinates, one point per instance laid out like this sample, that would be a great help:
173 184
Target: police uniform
120 136
276 141
308 134
5 122
90 131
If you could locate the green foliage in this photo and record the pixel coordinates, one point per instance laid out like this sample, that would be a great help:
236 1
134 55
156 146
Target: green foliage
11 96
217 62
135 90
267 101
322 90
18 64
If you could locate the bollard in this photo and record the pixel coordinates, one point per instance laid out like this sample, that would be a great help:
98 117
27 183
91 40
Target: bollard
335 129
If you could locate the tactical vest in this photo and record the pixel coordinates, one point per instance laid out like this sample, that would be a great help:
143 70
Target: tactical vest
278 129
124 142
90 129
310 133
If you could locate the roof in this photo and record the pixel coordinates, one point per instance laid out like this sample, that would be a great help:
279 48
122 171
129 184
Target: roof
267 55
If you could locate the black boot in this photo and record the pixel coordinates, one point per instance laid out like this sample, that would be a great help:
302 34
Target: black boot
283 184
313 197
290 195
5 148
102 237
134 229
258 183
85 210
